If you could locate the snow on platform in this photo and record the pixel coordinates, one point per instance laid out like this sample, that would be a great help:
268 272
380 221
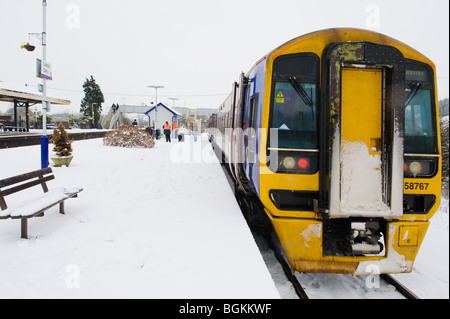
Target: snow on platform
150 223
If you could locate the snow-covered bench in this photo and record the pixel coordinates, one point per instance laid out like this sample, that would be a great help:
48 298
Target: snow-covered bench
35 205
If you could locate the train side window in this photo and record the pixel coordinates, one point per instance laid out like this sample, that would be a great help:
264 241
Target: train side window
253 113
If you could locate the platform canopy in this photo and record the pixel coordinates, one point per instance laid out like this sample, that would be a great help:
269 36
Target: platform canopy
9 95
24 98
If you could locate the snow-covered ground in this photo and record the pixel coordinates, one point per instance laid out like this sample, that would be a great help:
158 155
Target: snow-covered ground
146 225
163 223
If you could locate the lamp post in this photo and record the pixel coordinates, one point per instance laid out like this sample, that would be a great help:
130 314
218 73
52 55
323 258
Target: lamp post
173 100
43 36
156 87
44 138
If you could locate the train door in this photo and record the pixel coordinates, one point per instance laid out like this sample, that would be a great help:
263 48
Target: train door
361 128
238 131
362 171
230 139
250 136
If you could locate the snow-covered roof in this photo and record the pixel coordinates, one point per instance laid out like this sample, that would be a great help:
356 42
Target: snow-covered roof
10 92
167 107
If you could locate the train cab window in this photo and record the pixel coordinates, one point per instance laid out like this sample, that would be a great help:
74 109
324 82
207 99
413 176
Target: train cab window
293 104
419 124
420 132
420 147
293 137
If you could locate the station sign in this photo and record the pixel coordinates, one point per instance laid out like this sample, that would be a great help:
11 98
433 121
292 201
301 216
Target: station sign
43 69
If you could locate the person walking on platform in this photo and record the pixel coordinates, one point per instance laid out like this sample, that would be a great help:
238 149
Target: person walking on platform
166 128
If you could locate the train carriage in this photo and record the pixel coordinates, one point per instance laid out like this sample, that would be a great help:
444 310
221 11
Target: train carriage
335 135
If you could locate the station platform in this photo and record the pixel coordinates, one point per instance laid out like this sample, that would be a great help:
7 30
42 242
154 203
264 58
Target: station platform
150 223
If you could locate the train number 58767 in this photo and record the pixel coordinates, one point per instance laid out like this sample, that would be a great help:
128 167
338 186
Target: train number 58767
415 186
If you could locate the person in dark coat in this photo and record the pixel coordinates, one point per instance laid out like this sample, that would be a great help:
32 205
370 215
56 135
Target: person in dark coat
166 128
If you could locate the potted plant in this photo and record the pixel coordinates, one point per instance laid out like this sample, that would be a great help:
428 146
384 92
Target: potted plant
28 46
63 147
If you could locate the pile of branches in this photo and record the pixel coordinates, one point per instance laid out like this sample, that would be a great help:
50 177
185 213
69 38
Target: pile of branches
129 136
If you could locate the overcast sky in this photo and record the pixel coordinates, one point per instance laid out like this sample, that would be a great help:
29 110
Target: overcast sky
195 48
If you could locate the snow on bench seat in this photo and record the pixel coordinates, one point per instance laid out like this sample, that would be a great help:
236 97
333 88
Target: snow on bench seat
34 205
40 203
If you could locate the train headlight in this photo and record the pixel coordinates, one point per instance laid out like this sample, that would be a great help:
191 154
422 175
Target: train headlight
293 162
289 162
415 168
420 167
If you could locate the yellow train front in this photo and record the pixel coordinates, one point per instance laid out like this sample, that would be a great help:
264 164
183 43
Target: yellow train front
336 134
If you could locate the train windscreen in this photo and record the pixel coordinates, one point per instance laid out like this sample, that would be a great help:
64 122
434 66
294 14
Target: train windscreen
421 150
419 112
293 104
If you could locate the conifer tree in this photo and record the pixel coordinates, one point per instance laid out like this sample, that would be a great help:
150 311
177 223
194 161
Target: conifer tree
91 104
63 145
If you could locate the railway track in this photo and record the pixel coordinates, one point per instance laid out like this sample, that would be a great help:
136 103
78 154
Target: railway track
301 293
408 294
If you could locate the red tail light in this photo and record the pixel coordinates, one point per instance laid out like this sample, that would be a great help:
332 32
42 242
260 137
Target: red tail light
303 163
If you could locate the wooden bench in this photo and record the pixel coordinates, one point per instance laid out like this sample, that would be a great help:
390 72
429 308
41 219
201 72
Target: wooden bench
32 207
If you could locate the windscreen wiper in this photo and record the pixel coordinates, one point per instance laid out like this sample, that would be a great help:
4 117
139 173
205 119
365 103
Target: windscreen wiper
415 86
300 91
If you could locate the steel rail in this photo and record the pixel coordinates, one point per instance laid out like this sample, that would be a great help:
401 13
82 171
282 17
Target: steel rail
399 286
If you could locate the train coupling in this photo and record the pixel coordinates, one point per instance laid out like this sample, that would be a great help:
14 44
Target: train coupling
365 238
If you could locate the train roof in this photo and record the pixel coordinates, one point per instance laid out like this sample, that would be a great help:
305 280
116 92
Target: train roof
316 41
